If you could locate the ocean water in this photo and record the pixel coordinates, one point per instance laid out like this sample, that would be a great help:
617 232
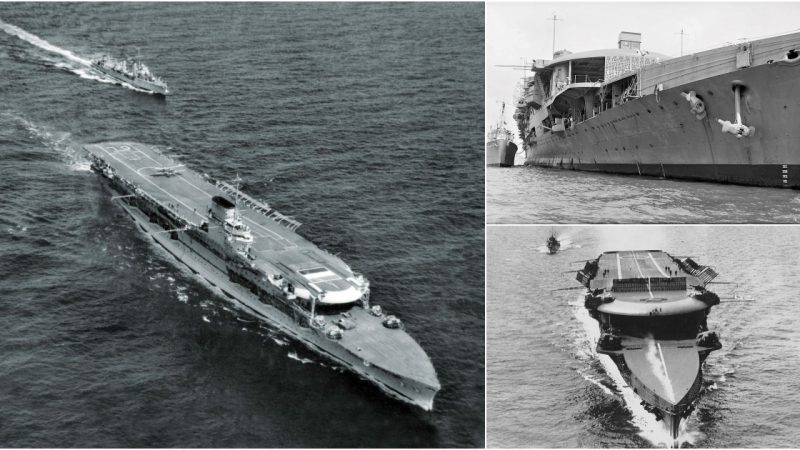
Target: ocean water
363 121
520 195
546 387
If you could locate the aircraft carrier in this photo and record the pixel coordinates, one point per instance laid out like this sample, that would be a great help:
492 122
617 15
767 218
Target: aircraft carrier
652 310
252 253
726 115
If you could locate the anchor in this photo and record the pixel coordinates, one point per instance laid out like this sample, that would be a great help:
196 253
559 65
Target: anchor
737 128
695 104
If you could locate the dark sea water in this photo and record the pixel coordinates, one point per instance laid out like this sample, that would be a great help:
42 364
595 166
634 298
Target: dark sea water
546 386
363 121
540 195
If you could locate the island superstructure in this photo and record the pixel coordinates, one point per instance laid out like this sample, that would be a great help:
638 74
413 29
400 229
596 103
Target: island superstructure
500 146
132 72
728 114
252 253
652 309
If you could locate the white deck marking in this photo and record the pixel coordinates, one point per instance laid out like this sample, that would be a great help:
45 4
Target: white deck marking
157 186
636 261
619 268
655 264
291 244
148 156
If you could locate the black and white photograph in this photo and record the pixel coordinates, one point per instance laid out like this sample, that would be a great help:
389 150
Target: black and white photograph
649 336
642 112
242 225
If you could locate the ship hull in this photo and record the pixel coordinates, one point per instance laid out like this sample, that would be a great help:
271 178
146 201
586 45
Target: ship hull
670 411
658 135
202 262
500 152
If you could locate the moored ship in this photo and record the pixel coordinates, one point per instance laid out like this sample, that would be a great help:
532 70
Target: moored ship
652 309
500 146
252 253
132 72
727 115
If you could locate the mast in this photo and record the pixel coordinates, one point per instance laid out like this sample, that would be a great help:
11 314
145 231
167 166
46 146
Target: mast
682 35
554 19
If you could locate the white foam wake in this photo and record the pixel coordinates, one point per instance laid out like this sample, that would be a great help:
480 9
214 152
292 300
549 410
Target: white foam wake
60 141
293 355
649 427
83 70
566 243
41 43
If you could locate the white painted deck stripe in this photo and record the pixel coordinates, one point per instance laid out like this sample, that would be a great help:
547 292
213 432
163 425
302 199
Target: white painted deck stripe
281 238
655 264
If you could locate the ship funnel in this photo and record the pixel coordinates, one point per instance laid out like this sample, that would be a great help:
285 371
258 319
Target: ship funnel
222 209
628 40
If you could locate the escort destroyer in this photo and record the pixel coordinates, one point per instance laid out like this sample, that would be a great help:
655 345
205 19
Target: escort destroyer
252 253
726 115
132 72
652 309
500 147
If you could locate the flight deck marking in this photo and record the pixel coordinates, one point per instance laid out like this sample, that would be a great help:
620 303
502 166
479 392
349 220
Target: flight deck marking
290 244
655 264
157 186
636 261
148 157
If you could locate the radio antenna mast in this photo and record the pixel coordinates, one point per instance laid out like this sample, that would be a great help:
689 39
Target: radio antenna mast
682 35
554 19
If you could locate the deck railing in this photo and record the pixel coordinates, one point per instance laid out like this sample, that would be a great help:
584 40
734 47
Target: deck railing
261 207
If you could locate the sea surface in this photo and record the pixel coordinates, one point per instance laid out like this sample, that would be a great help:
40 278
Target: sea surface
364 121
546 386
520 195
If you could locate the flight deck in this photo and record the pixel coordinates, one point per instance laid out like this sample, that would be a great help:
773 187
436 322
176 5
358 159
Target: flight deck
189 195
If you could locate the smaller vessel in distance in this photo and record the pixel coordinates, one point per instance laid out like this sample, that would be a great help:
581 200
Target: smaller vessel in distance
132 72
652 310
500 148
553 245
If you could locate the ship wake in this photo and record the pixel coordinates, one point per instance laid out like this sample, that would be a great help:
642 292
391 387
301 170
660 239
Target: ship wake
41 43
650 428
75 64
565 241
59 141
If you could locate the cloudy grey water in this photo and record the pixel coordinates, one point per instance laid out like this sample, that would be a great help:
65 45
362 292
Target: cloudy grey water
539 195
547 388
337 114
